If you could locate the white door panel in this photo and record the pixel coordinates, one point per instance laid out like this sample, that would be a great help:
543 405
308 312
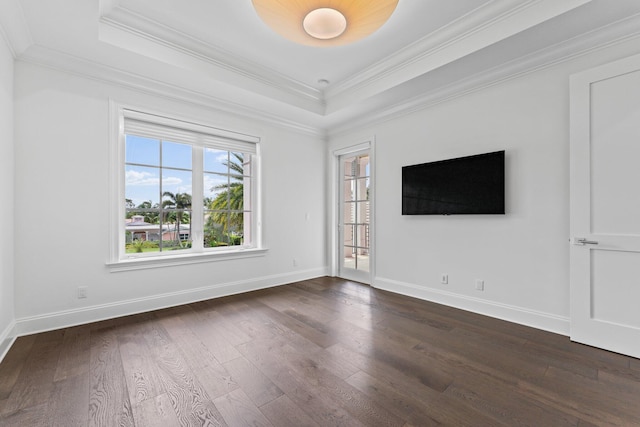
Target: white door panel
605 207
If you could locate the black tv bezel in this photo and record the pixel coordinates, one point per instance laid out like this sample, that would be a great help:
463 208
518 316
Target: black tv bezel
499 211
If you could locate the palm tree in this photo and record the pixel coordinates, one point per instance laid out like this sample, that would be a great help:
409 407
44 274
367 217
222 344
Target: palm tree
177 201
231 198
150 217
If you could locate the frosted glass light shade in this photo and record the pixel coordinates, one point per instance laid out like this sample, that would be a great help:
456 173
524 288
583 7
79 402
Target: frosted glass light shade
324 23
296 20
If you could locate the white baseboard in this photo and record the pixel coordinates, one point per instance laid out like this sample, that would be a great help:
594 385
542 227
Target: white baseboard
535 319
7 338
68 318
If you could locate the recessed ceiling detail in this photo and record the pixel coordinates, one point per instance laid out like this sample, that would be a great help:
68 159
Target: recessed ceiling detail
325 23
216 53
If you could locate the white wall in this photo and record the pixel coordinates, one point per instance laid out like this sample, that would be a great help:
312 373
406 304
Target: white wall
6 189
521 256
62 210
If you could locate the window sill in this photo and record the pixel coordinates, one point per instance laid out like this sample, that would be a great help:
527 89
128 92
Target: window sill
186 259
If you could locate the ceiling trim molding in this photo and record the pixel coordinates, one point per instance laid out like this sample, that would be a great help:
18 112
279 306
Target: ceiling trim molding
84 68
613 34
14 28
136 29
479 28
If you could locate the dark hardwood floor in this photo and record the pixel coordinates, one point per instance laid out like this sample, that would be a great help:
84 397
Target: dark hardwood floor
323 352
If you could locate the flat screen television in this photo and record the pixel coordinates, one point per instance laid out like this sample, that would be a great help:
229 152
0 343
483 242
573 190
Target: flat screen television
464 185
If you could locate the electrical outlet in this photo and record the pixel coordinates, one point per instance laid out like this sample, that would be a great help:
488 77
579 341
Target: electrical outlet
82 292
295 262
444 278
479 285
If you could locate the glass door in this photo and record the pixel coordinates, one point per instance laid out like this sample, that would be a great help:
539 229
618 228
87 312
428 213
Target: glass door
355 216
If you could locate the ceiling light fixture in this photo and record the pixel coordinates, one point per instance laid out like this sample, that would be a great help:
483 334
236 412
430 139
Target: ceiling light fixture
324 22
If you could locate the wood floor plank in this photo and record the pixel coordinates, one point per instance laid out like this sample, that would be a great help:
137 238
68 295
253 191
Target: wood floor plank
215 379
156 411
320 352
282 411
32 416
338 390
74 356
34 385
188 398
238 410
108 396
212 335
139 369
13 363
69 404
392 400
256 385
317 406
582 396
319 337
487 395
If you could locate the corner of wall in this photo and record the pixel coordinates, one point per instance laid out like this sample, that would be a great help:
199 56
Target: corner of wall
7 338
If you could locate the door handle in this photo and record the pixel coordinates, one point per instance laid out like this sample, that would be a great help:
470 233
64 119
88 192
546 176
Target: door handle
583 241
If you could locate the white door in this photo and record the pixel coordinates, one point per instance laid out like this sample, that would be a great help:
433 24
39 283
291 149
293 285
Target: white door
354 228
605 207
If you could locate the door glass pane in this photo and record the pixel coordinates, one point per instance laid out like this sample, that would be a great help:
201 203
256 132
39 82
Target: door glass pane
349 235
355 213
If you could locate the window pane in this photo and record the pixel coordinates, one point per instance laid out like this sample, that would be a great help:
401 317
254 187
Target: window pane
362 236
349 213
236 228
141 235
213 231
176 188
216 160
214 185
247 194
350 167
247 238
142 150
223 228
176 230
142 184
139 216
237 164
362 188
247 165
362 216
236 193
349 236
349 190
176 155
363 166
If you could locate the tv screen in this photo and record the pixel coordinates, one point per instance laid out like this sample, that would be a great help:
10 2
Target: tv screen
465 185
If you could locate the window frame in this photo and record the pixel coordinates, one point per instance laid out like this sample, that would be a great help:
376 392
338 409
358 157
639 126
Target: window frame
206 136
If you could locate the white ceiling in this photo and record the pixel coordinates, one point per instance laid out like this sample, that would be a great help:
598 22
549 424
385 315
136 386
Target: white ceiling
219 50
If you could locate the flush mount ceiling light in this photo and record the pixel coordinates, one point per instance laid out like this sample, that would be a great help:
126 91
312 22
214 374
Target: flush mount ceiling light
324 22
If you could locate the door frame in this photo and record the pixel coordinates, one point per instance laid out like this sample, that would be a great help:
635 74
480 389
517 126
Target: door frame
336 181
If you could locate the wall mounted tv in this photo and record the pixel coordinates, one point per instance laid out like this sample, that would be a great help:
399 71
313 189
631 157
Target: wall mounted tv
464 185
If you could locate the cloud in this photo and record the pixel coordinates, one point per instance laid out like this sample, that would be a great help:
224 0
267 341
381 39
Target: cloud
138 178
211 181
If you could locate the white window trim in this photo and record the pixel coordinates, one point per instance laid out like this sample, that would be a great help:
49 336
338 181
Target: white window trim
117 261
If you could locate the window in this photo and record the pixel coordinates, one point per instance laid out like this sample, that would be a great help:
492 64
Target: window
184 189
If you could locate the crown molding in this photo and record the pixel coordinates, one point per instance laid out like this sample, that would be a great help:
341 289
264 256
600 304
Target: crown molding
610 35
14 28
130 30
480 28
84 68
